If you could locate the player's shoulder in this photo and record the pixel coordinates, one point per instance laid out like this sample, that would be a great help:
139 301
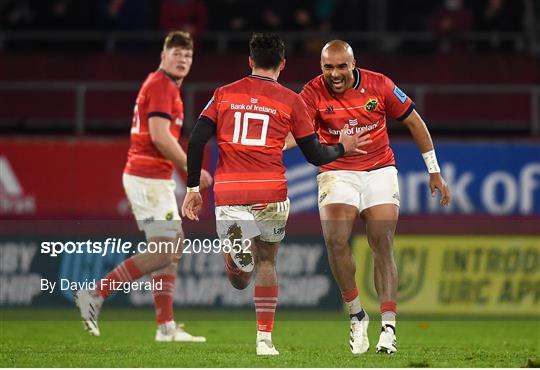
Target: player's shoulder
314 89
234 86
372 77
159 80
251 84
287 93
315 84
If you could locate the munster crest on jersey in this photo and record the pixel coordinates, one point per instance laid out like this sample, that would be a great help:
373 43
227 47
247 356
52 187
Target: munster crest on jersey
371 104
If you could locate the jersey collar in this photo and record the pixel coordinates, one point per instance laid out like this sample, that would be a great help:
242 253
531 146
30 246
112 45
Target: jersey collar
262 78
168 76
357 78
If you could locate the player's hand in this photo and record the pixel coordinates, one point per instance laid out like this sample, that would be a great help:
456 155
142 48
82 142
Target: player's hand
436 182
192 206
353 143
206 179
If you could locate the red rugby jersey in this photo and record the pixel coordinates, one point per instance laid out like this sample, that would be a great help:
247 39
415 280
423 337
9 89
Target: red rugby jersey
363 107
159 96
253 117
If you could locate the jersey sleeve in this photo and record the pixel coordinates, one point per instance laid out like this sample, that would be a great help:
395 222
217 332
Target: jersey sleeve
301 122
308 96
398 104
210 111
160 101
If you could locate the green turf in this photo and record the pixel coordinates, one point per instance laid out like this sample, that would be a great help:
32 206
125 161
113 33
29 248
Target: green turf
305 340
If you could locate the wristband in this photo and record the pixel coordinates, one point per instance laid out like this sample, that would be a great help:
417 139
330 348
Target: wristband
194 189
431 161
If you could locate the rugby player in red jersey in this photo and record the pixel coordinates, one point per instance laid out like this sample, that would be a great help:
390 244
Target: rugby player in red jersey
147 179
251 119
363 184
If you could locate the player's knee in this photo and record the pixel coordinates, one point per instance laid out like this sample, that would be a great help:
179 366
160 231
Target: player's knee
166 259
337 243
174 258
381 244
240 281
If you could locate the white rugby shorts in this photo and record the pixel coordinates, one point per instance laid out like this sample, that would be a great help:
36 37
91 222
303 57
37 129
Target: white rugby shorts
267 221
154 205
360 189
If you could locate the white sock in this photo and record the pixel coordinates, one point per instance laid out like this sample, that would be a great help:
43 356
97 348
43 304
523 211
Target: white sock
167 327
354 306
264 335
388 318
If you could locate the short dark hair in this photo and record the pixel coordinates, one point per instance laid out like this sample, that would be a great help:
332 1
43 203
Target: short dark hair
267 50
178 39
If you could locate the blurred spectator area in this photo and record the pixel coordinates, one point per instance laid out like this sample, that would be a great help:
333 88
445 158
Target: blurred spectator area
475 95
72 66
414 26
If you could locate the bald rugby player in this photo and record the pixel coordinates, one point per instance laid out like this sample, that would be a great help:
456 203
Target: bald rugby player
364 185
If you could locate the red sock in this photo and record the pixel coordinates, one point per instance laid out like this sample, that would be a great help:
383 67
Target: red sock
126 271
265 298
163 299
388 306
388 314
349 295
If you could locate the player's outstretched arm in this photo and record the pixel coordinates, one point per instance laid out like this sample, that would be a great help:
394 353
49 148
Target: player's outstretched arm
319 154
421 136
202 132
192 205
353 143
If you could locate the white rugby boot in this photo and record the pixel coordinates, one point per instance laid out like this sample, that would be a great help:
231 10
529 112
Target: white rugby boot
358 341
172 332
265 347
387 341
89 304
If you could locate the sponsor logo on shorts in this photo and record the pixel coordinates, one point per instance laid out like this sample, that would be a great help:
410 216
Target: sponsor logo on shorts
322 196
169 216
149 220
279 230
396 196
371 104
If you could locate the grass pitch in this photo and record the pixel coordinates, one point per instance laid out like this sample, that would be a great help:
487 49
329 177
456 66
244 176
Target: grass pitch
304 340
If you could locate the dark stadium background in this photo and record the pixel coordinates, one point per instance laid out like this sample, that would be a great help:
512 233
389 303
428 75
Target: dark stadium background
69 73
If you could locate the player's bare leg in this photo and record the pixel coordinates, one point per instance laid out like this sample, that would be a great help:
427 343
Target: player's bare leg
381 221
337 222
266 294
